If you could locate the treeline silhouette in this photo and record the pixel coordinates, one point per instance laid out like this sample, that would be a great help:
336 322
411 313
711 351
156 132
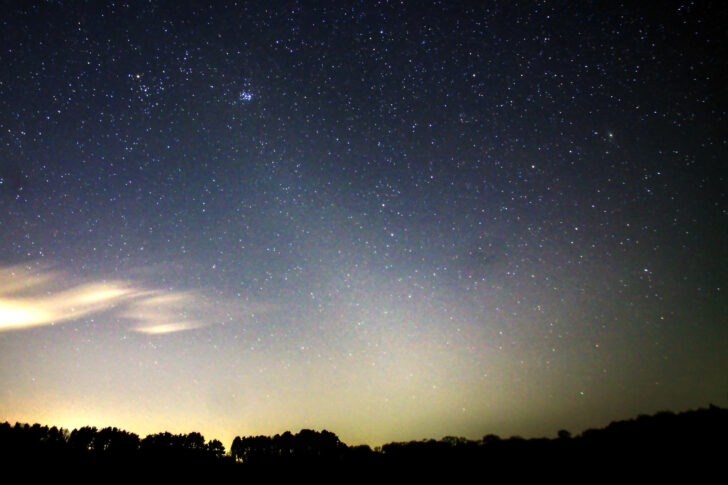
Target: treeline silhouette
89 446
661 443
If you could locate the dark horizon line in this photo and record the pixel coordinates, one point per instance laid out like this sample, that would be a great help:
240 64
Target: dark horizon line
562 433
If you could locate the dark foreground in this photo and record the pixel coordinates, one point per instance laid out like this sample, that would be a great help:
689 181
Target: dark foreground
690 445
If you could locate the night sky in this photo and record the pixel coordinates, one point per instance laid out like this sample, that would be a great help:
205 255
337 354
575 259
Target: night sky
391 220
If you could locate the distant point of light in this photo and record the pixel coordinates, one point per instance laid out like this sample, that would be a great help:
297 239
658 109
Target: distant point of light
245 96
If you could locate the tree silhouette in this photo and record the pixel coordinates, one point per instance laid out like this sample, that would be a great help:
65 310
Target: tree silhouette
216 448
665 440
491 439
82 439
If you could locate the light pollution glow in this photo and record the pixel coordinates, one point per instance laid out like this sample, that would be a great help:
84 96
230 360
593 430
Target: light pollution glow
356 383
371 367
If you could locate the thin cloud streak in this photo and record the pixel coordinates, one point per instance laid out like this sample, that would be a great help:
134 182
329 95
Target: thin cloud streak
29 299
168 328
42 297
164 312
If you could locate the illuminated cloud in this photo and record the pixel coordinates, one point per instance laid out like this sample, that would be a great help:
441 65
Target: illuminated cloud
33 298
160 313
15 279
168 328
19 313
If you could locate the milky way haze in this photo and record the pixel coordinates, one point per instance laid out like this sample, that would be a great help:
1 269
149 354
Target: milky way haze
392 220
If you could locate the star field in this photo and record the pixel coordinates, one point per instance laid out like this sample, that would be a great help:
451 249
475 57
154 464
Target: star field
393 220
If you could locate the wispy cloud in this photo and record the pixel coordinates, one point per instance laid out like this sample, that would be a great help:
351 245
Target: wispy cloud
164 312
167 328
34 298
37 297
